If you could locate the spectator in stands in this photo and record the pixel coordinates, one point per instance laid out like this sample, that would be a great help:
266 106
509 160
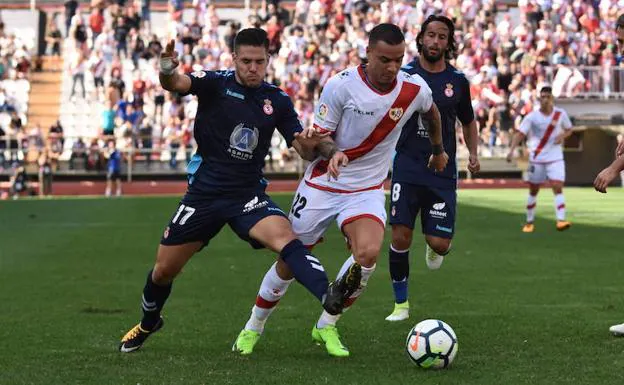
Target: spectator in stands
15 134
114 157
18 181
78 68
79 151
121 37
97 65
56 132
53 41
45 174
3 147
79 33
70 10
172 135
35 138
145 139
108 122
96 22
94 159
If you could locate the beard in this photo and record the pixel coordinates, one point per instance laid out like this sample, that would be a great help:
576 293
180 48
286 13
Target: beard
430 57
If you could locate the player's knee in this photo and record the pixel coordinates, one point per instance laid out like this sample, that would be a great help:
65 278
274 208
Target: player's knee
401 237
440 245
366 254
164 273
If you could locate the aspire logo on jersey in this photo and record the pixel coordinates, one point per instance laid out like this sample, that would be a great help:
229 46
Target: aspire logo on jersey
243 142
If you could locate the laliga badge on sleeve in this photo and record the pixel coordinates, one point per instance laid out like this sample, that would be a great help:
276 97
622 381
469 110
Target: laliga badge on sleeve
267 108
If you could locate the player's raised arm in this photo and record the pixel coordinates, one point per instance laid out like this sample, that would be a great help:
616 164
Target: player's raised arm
169 77
439 158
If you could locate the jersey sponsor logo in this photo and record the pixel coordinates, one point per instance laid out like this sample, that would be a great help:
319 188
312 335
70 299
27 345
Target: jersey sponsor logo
243 142
445 229
199 74
267 108
439 206
275 209
254 204
437 210
395 113
365 113
236 95
449 90
344 74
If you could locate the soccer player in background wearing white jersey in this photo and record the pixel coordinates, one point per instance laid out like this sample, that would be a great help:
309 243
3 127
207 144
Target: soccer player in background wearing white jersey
363 109
545 129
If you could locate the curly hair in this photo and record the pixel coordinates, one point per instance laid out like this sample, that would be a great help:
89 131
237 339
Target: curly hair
451 49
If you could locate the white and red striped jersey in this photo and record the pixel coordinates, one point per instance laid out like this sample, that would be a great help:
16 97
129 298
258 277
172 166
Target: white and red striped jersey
366 126
541 131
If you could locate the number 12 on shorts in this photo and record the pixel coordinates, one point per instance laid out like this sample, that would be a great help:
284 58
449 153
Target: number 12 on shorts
188 212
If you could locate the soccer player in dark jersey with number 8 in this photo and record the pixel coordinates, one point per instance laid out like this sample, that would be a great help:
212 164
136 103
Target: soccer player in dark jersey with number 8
416 187
236 117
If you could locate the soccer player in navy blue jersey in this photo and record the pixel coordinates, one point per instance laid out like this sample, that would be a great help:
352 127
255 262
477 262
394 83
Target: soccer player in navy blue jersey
236 117
416 187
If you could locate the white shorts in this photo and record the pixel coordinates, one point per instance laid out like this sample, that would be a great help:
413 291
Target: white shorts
313 210
540 172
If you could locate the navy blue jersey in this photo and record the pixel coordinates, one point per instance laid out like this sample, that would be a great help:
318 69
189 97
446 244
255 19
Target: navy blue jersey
451 94
233 129
114 161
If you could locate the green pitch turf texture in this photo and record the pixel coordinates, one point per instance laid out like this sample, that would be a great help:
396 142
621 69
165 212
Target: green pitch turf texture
527 308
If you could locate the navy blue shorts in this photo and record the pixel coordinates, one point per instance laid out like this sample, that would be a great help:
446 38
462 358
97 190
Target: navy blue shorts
200 218
437 208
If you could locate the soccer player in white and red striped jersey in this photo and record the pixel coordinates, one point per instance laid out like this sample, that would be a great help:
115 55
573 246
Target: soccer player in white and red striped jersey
545 129
363 109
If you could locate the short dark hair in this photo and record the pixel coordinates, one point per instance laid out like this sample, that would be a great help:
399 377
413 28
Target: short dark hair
255 37
619 24
451 49
547 89
386 32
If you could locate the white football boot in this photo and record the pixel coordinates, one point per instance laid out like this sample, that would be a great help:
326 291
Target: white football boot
617 330
433 259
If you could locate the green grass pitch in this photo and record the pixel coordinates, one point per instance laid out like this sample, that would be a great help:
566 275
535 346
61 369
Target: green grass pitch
527 308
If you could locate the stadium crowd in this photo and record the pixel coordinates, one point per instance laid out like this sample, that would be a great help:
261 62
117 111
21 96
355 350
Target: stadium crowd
111 51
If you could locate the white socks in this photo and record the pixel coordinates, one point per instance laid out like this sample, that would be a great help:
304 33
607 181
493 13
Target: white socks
531 202
271 291
560 207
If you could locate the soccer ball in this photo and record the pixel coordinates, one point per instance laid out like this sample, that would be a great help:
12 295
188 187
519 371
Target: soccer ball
431 344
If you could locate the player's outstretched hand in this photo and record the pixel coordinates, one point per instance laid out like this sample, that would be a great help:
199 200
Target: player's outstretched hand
438 162
474 166
169 58
333 168
603 179
310 133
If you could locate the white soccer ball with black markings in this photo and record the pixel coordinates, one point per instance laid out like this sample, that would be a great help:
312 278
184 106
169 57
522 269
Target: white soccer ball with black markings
432 344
